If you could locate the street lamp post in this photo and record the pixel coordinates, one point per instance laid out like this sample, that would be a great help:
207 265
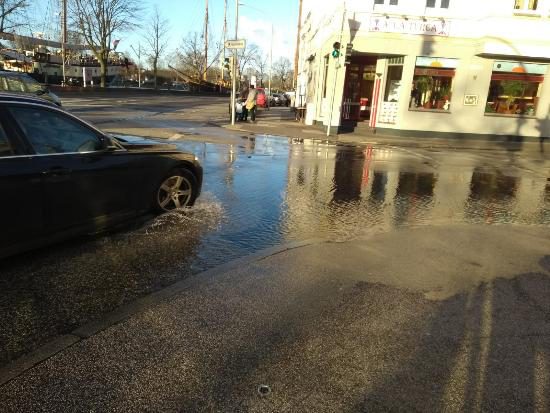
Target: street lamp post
138 54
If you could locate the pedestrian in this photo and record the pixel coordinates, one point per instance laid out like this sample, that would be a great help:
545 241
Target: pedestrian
250 103
244 110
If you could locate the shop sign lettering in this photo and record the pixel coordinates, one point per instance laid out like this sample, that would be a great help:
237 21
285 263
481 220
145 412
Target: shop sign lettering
409 26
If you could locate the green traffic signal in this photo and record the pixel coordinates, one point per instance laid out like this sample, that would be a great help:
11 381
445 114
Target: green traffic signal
336 51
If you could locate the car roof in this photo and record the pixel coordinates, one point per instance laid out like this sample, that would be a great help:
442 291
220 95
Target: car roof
9 97
12 73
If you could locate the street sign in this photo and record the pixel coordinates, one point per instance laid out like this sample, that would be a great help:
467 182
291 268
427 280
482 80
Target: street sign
235 44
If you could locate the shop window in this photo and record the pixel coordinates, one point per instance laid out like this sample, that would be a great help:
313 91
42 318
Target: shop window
393 83
444 4
392 91
515 88
526 5
432 83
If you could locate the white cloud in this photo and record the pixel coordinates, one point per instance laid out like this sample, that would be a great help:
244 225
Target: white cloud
258 32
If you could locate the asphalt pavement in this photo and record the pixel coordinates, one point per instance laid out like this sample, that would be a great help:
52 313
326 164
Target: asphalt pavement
442 318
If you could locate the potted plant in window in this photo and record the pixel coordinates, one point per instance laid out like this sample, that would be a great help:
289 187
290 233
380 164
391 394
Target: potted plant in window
512 89
424 86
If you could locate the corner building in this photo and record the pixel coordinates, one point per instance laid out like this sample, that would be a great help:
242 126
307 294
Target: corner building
459 68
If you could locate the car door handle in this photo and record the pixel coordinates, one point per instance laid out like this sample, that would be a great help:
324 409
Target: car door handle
57 171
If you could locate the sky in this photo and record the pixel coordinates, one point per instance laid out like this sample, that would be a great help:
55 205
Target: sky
185 16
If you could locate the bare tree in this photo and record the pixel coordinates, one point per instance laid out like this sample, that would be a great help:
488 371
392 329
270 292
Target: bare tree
10 14
156 37
247 56
282 68
190 56
99 20
261 67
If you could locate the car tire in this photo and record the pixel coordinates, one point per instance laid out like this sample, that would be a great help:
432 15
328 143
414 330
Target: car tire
177 189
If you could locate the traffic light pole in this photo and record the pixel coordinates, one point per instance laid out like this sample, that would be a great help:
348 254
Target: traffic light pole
337 66
234 65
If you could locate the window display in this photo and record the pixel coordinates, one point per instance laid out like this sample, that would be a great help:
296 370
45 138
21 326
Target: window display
526 4
515 88
432 83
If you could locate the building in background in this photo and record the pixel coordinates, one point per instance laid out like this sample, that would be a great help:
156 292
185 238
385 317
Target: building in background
420 67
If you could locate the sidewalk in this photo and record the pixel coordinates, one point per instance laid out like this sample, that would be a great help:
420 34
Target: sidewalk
447 318
281 122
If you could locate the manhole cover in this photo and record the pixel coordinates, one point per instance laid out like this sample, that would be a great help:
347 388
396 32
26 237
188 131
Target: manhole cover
264 389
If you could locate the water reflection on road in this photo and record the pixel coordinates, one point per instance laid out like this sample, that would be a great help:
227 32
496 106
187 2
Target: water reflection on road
259 193
276 191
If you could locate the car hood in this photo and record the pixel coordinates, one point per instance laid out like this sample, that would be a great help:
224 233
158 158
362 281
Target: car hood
134 143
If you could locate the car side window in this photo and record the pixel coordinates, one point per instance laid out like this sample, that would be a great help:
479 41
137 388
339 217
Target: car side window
3 83
51 132
5 147
15 84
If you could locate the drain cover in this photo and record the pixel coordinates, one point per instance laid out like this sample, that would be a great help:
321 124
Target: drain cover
264 389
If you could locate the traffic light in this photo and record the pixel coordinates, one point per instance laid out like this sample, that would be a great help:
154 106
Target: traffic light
228 64
349 50
336 51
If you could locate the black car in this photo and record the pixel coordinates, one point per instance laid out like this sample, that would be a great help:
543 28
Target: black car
61 177
22 84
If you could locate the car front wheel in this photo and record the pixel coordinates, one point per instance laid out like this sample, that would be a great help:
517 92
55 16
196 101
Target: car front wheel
178 189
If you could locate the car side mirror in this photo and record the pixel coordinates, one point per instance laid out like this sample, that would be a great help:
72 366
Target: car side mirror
41 92
108 144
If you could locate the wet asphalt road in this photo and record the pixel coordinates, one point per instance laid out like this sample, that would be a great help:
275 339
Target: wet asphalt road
104 108
263 192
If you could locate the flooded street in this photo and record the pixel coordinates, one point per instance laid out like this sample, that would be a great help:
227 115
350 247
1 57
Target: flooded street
276 191
264 192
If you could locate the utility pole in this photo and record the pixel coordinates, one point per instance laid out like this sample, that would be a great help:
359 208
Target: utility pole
205 42
64 36
271 61
138 54
222 57
234 65
297 52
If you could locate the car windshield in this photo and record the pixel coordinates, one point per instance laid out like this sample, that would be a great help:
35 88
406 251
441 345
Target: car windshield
32 85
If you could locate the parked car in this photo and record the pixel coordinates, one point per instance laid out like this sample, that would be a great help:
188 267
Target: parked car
22 83
180 86
261 99
275 98
74 81
61 177
280 99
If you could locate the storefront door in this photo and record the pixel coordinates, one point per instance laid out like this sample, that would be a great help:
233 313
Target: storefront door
358 90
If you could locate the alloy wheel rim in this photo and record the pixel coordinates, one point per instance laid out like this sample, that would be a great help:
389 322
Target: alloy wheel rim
175 192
